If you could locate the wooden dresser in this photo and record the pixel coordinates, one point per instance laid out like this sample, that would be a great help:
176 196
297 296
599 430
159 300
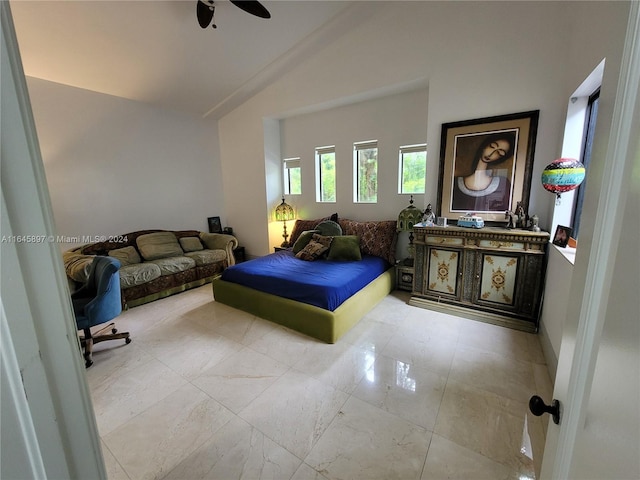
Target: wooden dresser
490 274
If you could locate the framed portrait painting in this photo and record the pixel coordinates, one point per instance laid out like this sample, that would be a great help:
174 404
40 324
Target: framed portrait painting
485 166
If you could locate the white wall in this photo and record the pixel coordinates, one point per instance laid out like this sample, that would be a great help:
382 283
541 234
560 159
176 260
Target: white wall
114 166
588 47
474 67
554 308
393 120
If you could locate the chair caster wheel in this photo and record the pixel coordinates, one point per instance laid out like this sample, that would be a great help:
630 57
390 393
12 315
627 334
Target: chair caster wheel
127 340
114 330
88 363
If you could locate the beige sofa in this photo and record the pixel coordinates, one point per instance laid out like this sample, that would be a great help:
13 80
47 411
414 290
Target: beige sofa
157 263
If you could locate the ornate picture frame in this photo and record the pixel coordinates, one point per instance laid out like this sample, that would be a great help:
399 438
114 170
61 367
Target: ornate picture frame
486 165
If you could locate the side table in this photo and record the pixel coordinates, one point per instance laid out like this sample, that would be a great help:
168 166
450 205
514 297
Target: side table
238 254
404 277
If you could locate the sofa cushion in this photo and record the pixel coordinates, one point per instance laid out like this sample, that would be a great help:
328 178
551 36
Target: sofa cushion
345 247
206 257
191 244
137 274
77 265
126 255
376 238
171 265
158 245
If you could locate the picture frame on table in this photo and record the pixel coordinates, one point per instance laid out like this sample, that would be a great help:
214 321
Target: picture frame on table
486 166
214 225
562 236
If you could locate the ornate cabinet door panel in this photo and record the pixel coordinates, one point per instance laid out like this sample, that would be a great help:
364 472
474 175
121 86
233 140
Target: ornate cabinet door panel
530 285
444 272
497 276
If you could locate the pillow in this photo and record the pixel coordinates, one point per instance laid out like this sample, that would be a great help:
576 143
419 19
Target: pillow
329 228
158 245
191 244
376 238
345 247
303 240
316 247
126 255
302 226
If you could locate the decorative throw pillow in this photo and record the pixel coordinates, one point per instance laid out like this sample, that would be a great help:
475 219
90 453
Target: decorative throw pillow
126 255
376 238
345 247
316 247
191 244
302 226
303 240
329 228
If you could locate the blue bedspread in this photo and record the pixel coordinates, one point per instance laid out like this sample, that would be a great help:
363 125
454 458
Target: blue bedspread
323 283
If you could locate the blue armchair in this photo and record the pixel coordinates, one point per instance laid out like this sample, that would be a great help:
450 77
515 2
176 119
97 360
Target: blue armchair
97 302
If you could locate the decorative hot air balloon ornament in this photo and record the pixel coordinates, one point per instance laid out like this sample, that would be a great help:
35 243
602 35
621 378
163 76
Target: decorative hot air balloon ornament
563 175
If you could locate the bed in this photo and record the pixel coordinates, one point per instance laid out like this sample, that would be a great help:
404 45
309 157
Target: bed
323 298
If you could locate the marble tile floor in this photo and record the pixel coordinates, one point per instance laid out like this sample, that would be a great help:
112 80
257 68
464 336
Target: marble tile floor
207 391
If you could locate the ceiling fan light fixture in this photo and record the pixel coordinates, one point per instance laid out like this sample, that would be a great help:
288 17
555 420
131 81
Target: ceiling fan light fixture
253 7
205 11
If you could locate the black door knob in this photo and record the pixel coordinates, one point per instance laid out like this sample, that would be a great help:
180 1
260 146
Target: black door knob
538 407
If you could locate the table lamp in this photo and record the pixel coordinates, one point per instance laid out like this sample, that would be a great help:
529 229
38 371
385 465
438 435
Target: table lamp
284 212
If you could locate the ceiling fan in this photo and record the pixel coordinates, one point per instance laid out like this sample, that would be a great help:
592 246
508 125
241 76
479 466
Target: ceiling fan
206 9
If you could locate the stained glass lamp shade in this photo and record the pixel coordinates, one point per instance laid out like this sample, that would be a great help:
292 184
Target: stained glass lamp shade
284 212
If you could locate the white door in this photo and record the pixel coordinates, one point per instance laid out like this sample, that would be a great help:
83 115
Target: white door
598 377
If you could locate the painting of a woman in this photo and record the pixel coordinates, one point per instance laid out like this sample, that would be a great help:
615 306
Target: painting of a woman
483 187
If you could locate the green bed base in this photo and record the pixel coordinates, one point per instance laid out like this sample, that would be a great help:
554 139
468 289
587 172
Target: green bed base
308 319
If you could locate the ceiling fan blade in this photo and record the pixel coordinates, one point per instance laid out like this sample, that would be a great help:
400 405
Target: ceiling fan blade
205 11
253 7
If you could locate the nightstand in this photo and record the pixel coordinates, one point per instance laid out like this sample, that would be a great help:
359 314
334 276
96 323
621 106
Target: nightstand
277 249
238 254
404 277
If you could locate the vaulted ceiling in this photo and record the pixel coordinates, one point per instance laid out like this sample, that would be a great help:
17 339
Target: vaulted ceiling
154 51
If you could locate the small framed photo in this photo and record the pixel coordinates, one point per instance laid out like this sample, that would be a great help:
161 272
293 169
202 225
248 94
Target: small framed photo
214 225
561 238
